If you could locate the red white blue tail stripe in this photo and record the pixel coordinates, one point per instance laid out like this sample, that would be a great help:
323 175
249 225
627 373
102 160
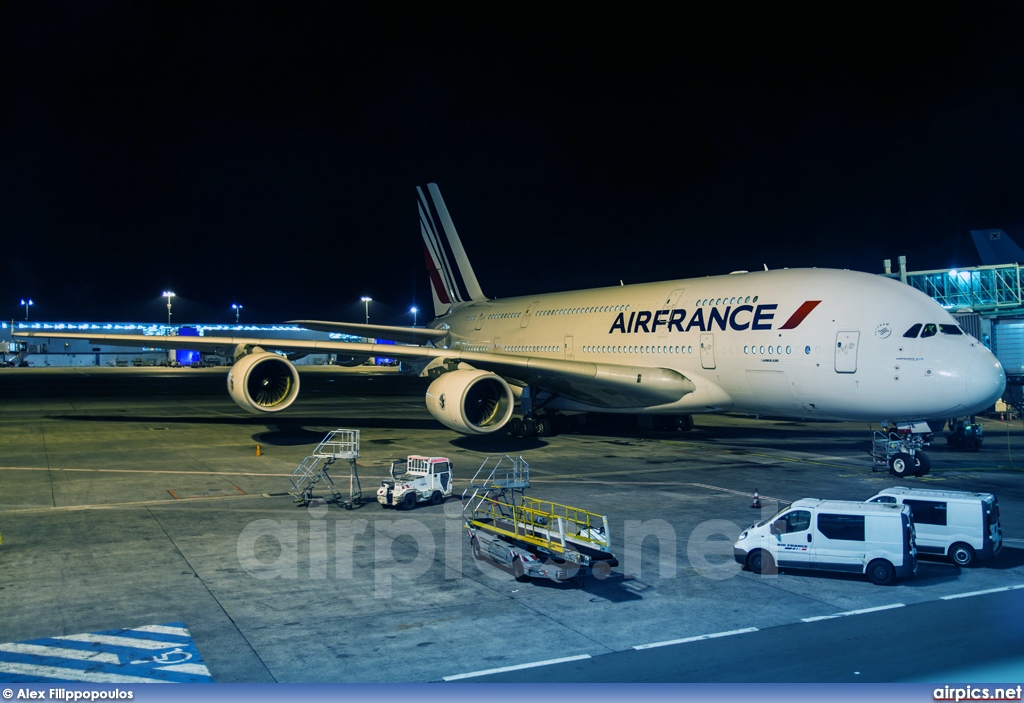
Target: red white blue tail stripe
451 276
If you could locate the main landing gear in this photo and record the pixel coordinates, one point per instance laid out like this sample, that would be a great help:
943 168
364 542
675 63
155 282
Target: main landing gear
551 424
532 423
537 426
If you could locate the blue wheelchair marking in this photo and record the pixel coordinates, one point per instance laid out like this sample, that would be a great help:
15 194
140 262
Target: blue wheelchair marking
162 653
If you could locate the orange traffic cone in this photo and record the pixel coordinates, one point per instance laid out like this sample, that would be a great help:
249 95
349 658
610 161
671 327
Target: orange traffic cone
258 452
757 500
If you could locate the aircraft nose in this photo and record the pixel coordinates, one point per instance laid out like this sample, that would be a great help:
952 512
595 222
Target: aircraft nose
985 380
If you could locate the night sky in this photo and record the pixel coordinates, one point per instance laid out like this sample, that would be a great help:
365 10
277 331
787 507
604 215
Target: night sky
267 154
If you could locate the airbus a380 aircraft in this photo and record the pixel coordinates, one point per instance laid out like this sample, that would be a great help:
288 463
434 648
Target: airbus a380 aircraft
800 343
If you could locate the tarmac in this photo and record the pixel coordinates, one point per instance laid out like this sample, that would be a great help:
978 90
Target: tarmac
135 498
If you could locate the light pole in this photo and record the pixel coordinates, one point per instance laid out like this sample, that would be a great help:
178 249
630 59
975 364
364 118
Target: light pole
26 303
238 310
413 310
168 294
366 303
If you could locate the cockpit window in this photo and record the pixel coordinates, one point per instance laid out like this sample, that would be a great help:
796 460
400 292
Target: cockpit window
950 329
912 332
930 330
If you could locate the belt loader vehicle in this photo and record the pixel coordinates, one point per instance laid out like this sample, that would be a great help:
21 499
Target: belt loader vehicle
533 538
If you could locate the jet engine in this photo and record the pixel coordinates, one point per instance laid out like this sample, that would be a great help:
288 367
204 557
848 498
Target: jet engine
471 401
263 382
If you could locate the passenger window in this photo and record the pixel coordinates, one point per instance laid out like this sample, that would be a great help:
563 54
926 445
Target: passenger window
912 332
845 527
883 499
927 512
795 521
950 329
929 330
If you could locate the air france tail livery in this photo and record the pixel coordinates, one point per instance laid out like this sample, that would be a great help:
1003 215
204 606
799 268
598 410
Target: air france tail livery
799 343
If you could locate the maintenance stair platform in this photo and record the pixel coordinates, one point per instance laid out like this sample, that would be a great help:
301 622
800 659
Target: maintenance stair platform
315 468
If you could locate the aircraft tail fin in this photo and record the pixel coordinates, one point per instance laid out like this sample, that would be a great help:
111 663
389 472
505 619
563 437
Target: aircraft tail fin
995 247
452 280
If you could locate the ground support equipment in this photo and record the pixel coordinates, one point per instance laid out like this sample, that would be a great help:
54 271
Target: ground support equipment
900 453
534 538
337 445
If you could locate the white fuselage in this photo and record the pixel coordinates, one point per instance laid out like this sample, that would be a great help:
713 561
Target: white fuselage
808 343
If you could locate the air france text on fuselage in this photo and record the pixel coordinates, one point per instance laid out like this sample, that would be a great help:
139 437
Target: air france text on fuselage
739 318
742 317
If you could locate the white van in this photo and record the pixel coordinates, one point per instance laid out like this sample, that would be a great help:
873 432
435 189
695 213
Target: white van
963 526
876 539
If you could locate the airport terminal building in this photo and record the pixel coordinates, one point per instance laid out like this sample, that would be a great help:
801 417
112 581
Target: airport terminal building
80 352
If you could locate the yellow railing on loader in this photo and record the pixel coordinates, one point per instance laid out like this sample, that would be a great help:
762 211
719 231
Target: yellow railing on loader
542 523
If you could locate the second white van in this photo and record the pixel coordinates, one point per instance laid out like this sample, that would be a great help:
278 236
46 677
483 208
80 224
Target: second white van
962 526
876 539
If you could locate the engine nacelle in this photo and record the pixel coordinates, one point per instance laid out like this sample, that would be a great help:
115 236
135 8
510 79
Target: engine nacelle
471 401
263 383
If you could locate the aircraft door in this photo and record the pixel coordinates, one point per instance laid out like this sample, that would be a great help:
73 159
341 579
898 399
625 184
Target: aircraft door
846 351
671 303
480 316
529 313
794 540
568 349
839 543
707 350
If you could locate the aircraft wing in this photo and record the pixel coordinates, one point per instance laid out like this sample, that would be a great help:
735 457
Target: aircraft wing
227 345
402 335
601 385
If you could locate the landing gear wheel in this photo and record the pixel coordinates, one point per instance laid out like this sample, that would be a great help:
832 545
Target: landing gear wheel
881 573
901 465
962 554
435 498
545 428
684 423
518 571
409 501
760 562
922 464
529 427
515 427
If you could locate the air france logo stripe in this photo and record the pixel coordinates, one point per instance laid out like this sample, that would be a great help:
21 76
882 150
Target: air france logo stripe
432 242
435 277
801 312
442 247
740 318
